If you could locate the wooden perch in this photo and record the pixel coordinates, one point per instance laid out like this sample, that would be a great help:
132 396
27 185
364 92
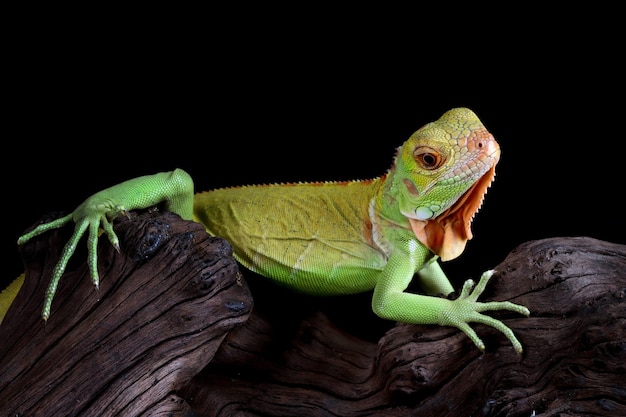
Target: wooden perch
167 335
574 362
164 305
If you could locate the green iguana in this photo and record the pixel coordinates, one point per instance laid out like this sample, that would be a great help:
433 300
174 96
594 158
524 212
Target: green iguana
330 238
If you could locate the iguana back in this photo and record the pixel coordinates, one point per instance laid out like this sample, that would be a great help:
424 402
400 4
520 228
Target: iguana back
310 236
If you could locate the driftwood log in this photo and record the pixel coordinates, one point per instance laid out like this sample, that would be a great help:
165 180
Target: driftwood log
172 331
164 305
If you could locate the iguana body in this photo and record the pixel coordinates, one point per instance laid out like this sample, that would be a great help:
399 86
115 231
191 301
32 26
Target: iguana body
339 237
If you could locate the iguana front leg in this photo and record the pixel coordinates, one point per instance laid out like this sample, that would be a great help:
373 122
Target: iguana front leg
390 301
172 189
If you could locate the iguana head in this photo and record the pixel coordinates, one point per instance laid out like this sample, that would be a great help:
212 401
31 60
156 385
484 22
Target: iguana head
442 173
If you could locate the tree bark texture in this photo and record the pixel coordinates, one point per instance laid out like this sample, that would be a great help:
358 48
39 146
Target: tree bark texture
172 332
164 305
574 363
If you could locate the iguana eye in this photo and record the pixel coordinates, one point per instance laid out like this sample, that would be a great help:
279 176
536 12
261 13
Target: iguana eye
427 157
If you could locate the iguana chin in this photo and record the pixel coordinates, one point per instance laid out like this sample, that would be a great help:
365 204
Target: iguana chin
331 238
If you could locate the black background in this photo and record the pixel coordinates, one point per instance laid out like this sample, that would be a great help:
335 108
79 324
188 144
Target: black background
90 103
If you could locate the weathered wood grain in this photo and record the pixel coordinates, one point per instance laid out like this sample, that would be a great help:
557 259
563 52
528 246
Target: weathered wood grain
574 362
164 305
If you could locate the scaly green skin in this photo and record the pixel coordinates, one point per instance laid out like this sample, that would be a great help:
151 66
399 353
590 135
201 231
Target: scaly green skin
338 237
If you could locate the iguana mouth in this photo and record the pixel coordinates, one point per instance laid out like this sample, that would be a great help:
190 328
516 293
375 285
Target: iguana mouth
447 234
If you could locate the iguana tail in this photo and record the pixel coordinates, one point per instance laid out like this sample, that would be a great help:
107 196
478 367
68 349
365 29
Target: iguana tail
8 295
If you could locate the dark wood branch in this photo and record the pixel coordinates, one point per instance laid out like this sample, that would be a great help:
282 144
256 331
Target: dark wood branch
573 364
164 305
157 346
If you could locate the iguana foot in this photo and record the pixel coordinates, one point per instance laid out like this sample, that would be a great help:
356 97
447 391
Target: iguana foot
86 216
466 309
173 189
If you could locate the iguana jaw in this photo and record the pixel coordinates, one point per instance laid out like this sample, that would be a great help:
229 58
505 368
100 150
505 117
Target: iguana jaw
447 234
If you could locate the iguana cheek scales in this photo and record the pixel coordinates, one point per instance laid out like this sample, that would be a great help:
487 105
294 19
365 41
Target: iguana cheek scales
421 212
447 234
425 213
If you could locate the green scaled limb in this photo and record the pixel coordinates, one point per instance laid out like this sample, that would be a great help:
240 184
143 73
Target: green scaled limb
172 189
